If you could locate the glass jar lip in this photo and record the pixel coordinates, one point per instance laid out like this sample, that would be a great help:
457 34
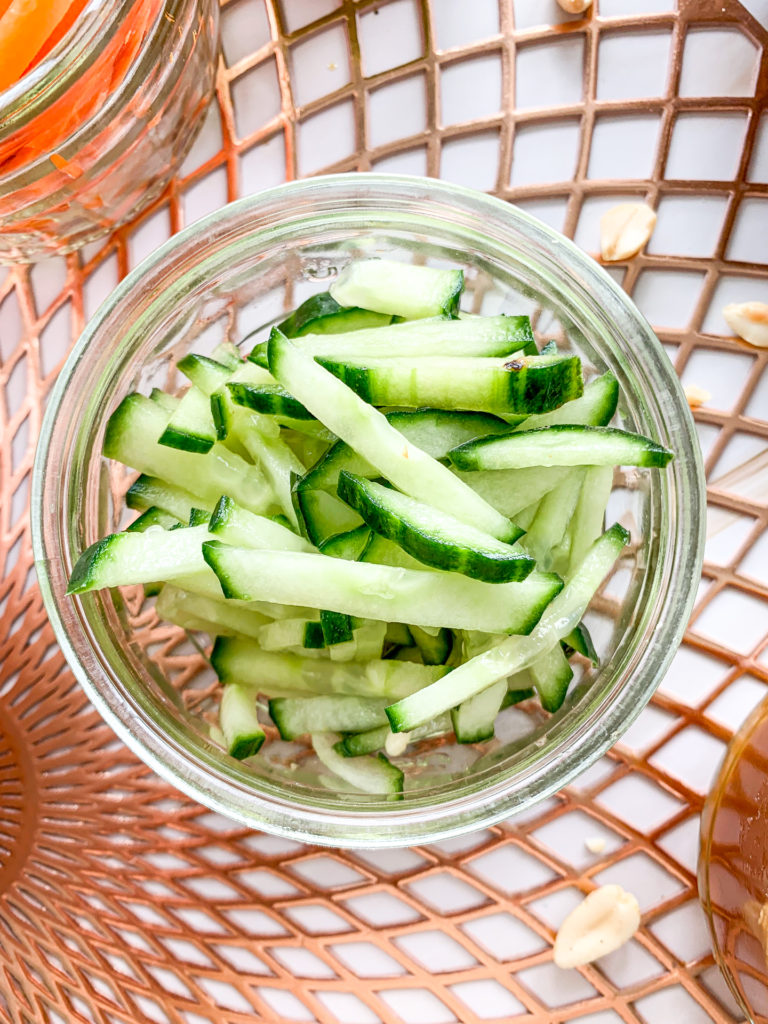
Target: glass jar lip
87 37
225 791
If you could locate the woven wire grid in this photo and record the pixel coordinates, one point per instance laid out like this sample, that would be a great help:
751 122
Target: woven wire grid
122 901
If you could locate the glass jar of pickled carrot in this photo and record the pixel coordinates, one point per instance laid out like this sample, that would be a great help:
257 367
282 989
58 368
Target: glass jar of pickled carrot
95 129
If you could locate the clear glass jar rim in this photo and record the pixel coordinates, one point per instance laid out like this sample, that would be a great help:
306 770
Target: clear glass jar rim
228 793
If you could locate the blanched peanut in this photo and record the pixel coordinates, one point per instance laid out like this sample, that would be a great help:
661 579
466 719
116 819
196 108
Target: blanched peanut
575 6
696 396
602 922
749 320
624 230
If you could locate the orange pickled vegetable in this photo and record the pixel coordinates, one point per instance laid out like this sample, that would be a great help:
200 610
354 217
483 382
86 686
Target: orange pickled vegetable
45 132
24 29
74 11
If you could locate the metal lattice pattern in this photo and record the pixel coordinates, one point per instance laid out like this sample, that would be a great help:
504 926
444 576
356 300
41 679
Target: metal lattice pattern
121 901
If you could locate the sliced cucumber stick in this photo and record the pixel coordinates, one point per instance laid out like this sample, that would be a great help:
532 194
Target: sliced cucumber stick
321 314
562 445
297 716
399 288
336 627
473 720
589 513
371 591
374 775
595 408
242 661
195 611
153 516
350 544
517 652
368 431
579 641
512 385
235 525
551 519
483 336
239 721
433 537
323 516
435 649
131 438
191 427
357 744
149 491
283 633
126 558
435 431
551 676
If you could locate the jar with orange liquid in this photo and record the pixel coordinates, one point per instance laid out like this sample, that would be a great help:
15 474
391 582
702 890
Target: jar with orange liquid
100 101
733 866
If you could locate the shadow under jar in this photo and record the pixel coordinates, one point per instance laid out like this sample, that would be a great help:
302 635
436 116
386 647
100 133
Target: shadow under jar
226 278
93 134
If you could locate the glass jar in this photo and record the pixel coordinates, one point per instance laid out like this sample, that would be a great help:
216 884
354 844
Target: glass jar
228 277
94 133
733 866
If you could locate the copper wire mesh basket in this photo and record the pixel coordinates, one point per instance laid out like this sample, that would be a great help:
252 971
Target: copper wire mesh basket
121 901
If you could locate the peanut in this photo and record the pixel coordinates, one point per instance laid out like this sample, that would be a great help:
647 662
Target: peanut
602 922
749 320
624 230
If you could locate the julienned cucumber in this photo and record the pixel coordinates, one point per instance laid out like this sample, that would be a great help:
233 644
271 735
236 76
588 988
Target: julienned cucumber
239 721
321 314
265 398
437 336
336 627
367 430
595 408
551 675
238 526
518 385
374 775
415 604
435 431
153 516
433 537
191 427
373 591
131 438
126 558
517 652
297 716
148 491
399 288
196 611
349 545
323 516
579 641
436 647
284 634
356 744
561 445
273 672
206 374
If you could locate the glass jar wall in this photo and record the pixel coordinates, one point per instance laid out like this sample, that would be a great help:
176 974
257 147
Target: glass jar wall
95 132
